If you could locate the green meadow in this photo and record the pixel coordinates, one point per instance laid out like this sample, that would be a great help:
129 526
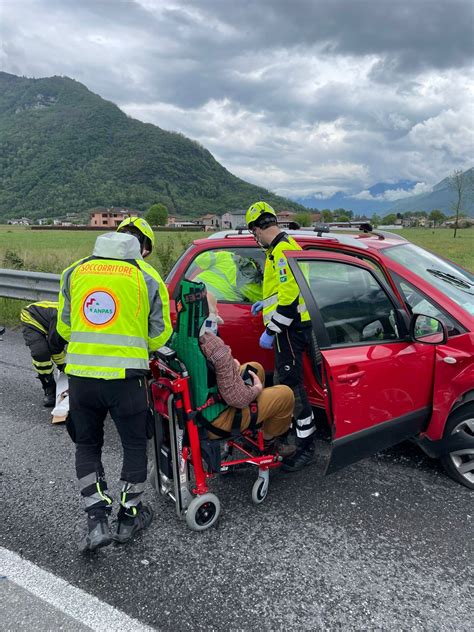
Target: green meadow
51 251
441 242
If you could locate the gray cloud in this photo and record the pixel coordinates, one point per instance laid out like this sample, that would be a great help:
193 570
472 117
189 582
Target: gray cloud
298 96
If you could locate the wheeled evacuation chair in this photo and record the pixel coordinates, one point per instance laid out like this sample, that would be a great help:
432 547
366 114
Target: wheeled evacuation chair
185 401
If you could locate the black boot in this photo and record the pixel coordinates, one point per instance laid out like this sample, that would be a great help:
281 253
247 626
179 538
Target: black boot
132 520
303 456
49 387
98 532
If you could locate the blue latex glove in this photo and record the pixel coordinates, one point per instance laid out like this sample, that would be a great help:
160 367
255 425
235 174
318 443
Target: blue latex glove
266 341
256 308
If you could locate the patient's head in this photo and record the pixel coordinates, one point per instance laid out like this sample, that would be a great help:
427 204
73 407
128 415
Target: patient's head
213 309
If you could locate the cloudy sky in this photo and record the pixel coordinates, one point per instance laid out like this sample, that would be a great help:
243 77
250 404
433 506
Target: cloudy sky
305 97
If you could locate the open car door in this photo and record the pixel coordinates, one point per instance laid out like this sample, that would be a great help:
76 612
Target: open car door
377 383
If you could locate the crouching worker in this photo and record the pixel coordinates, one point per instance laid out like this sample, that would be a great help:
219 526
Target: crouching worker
45 344
275 404
114 311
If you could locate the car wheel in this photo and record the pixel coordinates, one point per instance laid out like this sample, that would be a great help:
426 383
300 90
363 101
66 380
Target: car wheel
459 464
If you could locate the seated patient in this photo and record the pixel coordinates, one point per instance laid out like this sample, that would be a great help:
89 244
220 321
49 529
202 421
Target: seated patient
275 404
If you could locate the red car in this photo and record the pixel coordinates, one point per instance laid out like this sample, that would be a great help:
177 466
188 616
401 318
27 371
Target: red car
392 352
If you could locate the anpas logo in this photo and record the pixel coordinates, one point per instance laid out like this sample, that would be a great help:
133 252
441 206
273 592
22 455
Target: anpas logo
99 307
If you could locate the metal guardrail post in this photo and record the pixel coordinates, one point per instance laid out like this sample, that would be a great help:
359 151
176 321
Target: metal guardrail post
29 286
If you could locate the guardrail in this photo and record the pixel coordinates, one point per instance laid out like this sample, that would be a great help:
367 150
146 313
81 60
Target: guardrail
29 286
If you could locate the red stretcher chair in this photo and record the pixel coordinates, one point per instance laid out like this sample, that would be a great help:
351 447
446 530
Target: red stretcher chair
181 470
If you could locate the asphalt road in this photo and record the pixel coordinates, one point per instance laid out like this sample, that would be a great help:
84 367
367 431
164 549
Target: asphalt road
383 544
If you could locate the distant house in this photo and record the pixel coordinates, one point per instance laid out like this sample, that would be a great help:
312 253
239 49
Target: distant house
413 221
110 217
211 221
24 221
233 220
463 222
285 218
187 224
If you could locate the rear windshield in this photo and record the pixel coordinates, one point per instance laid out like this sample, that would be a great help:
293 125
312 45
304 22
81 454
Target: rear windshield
456 283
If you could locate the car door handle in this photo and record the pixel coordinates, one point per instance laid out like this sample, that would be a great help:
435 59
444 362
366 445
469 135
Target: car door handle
350 377
449 360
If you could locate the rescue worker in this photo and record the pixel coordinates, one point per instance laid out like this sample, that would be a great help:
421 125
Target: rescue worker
113 311
45 344
287 324
229 276
142 230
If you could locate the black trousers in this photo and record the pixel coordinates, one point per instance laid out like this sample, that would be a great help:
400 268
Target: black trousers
289 348
42 353
127 402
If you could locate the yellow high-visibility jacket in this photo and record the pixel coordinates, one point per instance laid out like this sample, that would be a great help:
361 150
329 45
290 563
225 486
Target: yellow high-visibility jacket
229 277
42 316
113 310
283 306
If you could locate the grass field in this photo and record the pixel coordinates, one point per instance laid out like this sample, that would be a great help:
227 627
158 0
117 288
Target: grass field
441 242
52 251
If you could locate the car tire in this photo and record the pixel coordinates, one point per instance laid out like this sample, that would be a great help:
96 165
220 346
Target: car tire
459 464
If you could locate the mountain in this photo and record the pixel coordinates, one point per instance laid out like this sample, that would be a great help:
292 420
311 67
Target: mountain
381 199
64 149
366 202
441 198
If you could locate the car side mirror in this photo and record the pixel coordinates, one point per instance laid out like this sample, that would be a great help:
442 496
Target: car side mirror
428 330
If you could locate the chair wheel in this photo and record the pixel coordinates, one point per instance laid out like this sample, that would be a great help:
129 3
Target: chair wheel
203 512
259 490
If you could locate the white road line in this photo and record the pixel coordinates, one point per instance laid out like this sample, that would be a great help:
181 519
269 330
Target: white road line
72 601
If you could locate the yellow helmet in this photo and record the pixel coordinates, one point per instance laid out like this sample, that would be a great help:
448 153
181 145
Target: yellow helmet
141 225
257 210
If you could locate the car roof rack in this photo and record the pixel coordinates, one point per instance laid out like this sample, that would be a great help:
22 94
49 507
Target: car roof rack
329 230
241 229
363 227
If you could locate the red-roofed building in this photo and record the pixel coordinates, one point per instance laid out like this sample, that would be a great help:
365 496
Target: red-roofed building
110 217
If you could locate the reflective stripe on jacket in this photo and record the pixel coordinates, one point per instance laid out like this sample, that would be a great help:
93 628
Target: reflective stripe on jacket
113 310
283 304
39 315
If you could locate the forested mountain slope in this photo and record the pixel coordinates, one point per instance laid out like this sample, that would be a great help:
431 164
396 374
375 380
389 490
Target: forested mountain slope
64 149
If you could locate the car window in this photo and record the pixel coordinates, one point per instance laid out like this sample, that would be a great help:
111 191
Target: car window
421 304
367 260
445 276
233 276
353 305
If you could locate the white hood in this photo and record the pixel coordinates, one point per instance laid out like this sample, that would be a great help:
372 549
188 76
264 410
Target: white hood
117 246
